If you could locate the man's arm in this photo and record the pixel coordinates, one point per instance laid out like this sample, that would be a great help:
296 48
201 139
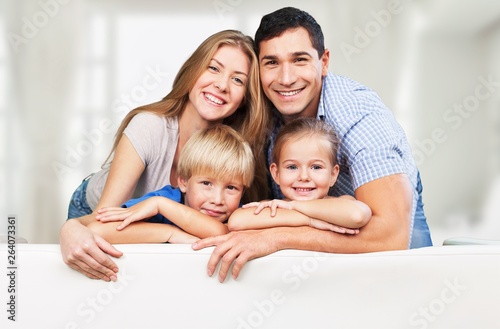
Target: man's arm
389 198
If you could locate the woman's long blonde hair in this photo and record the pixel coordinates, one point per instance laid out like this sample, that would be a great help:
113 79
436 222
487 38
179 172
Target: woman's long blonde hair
251 119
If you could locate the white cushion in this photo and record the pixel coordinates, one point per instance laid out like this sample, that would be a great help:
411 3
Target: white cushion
166 286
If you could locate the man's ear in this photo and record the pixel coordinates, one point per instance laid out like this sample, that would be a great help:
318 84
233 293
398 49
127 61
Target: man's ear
273 168
335 174
325 60
182 184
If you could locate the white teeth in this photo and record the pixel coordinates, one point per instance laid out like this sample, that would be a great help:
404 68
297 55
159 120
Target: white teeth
214 99
303 189
289 93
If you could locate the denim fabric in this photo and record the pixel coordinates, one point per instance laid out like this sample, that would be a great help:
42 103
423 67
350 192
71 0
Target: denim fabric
421 236
78 205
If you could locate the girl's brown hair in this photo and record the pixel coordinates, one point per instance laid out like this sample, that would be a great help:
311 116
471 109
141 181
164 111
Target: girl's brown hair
305 127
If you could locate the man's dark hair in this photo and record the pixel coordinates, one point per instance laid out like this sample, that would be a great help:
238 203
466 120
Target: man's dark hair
276 23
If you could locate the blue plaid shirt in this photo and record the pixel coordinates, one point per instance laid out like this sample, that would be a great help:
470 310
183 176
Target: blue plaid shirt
372 143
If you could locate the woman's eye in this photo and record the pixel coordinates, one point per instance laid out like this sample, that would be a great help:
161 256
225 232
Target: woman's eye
239 81
213 68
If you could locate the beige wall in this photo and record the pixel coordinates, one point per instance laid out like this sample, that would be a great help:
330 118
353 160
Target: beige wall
69 70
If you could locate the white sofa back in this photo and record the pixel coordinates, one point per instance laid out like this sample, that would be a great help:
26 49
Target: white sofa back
166 286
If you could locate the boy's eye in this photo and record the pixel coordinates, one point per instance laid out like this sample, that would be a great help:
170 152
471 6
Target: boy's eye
206 183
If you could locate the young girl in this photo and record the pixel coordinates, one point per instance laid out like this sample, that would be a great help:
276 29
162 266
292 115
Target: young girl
219 83
305 167
215 167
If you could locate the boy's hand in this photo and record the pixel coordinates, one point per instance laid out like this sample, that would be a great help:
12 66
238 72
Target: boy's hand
322 225
273 204
140 211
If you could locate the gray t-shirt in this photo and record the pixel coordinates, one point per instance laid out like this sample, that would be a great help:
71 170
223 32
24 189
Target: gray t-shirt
155 139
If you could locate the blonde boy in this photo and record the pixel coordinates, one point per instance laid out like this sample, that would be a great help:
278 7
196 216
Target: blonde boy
215 167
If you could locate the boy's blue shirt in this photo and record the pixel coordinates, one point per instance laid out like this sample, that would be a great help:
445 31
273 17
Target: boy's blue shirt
168 191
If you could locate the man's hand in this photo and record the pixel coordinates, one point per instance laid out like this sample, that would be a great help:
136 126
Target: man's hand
236 248
85 252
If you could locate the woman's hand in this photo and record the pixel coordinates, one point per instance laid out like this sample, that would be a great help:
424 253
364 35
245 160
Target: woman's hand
86 252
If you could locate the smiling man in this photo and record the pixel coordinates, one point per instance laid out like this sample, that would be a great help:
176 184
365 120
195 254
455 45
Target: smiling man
376 163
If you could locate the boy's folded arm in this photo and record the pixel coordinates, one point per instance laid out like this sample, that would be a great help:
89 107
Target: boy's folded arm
190 220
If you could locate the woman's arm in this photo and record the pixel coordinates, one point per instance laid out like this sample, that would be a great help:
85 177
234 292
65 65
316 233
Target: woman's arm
142 232
81 249
192 221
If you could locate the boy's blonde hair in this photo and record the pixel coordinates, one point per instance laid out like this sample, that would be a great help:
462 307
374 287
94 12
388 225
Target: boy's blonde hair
220 152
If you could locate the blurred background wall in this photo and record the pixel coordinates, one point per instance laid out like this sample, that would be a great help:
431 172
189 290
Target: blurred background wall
70 70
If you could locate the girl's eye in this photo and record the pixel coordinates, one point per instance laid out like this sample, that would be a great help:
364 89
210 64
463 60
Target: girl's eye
316 167
291 167
232 188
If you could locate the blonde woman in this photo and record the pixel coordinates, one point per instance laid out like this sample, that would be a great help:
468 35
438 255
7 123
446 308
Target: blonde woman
219 83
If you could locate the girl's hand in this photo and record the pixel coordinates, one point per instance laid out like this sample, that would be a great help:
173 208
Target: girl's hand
273 204
322 225
143 210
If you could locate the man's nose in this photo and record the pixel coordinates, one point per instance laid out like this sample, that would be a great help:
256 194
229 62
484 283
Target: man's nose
286 74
